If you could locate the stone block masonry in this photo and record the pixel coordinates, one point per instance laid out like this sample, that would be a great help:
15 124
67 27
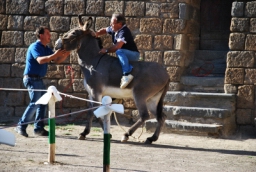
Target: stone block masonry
240 73
165 32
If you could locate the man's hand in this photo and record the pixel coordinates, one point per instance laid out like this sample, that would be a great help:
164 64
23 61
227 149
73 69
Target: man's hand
103 51
61 55
112 49
94 34
59 52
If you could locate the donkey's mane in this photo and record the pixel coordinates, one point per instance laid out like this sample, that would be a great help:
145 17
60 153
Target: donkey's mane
99 43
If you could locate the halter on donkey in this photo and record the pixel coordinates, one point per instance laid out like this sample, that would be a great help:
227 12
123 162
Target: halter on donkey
102 75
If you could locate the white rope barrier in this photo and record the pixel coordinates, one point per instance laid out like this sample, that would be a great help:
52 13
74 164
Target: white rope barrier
59 116
51 95
70 96
19 89
66 95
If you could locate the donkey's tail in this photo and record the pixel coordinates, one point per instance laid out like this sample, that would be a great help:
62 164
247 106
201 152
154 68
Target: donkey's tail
160 115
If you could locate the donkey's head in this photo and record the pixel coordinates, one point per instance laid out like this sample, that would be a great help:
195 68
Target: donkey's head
72 39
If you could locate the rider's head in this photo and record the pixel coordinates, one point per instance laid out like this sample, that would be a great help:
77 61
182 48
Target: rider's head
117 21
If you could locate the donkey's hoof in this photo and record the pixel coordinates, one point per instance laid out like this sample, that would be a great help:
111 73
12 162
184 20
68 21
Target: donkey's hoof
148 142
124 139
81 137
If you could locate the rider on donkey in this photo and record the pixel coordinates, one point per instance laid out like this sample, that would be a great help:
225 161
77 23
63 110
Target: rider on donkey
123 45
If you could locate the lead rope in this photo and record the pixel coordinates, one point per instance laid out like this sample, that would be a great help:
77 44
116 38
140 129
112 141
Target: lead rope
126 131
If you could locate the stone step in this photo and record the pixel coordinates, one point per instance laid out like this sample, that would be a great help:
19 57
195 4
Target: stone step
185 127
202 68
199 113
214 44
192 113
216 89
199 99
210 55
203 84
203 81
208 63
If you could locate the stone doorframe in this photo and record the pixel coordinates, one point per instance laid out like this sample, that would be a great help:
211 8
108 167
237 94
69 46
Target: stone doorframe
240 77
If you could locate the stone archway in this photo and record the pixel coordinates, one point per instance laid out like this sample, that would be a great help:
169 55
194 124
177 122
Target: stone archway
206 72
215 21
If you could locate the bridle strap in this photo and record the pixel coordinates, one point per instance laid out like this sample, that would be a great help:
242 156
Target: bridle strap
79 38
99 60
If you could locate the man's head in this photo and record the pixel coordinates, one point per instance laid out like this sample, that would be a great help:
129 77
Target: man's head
43 34
117 21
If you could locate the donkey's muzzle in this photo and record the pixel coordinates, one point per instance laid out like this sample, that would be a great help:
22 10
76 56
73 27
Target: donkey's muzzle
58 44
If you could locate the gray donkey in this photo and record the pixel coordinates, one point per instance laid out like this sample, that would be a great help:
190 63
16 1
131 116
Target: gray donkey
102 75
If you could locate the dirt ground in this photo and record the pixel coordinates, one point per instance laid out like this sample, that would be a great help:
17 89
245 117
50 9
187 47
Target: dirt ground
172 152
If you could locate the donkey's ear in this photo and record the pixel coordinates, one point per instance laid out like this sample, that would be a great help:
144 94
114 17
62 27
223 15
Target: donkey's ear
87 24
81 24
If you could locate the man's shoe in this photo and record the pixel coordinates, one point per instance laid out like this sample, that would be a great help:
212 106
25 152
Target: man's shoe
126 80
21 131
42 132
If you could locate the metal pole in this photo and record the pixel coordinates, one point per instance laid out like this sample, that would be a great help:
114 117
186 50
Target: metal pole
107 137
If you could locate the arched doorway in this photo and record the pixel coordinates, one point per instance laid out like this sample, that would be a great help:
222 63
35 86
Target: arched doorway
215 19
215 22
206 72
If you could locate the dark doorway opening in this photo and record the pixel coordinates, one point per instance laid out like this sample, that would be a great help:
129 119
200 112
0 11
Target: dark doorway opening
215 19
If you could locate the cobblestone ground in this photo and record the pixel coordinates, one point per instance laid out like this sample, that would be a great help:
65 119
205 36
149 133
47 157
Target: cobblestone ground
171 152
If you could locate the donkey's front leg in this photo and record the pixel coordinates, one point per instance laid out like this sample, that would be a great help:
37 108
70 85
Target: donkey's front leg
87 128
88 125
90 116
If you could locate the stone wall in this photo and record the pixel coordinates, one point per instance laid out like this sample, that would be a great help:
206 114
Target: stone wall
240 77
166 31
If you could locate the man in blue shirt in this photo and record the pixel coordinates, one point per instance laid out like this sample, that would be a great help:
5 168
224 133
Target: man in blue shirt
37 59
123 45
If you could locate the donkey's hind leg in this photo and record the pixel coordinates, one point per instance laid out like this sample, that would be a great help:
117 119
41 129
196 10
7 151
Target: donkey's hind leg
155 136
155 106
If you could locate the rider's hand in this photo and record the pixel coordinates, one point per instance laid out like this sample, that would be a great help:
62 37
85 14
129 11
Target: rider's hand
94 34
103 51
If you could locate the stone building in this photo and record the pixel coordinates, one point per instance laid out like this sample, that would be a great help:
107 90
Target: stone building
207 47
